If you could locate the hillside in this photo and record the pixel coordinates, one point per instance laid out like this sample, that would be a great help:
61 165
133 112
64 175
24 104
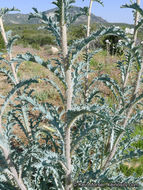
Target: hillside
23 18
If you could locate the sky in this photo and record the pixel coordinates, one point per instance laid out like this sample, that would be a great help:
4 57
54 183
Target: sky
110 12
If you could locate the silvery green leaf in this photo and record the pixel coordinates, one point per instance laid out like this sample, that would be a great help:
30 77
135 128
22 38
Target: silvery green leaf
11 42
13 91
4 11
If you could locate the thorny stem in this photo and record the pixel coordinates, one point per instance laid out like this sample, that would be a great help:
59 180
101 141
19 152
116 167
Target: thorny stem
129 112
135 41
136 22
3 31
136 90
87 47
15 76
6 42
127 76
89 20
13 69
12 168
69 92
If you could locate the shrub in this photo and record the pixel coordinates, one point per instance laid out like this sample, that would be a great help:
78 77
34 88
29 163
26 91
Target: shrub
77 31
113 47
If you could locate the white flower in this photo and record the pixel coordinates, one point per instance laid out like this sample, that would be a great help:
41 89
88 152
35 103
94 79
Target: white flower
129 30
119 42
141 42
108 42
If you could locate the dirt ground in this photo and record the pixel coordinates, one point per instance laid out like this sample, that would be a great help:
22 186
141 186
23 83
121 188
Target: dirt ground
27 70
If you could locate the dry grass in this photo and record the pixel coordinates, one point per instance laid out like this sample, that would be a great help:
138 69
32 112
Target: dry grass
101 63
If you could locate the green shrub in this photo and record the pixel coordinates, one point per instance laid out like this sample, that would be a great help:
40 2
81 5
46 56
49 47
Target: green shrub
76 32
32 36
130 171
94 63
35 46
113 47
45 95
2 44
126 170
139 171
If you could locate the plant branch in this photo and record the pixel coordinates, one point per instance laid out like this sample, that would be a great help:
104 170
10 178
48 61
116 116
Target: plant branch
136 23
129 112
12 168
69 92
15 76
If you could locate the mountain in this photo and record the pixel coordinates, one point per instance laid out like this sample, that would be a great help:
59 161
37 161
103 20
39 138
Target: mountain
82 19
23 18
19 19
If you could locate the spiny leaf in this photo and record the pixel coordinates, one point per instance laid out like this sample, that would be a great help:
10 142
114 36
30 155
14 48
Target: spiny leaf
14 90
11 42
79 45
9 75
4 11
136 7
58 70
56 87
51 23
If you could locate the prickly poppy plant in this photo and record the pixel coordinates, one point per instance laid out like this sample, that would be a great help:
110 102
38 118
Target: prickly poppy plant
84 139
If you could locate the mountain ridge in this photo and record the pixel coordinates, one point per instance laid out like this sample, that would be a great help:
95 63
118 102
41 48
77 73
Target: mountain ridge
19 18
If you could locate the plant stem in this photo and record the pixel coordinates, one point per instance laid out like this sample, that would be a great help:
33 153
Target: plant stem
12 168
136 22
13 69
89 20
87 48
3 31
69 92
134 44
127 77
6 42
136 90
15 76
129 112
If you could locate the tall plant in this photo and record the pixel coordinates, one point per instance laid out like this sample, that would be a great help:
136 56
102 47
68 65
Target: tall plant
9 40
87 48
69 148
89 14
129 66
136 87
136 22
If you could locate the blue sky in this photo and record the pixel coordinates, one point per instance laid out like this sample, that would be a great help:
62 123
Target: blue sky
110 12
